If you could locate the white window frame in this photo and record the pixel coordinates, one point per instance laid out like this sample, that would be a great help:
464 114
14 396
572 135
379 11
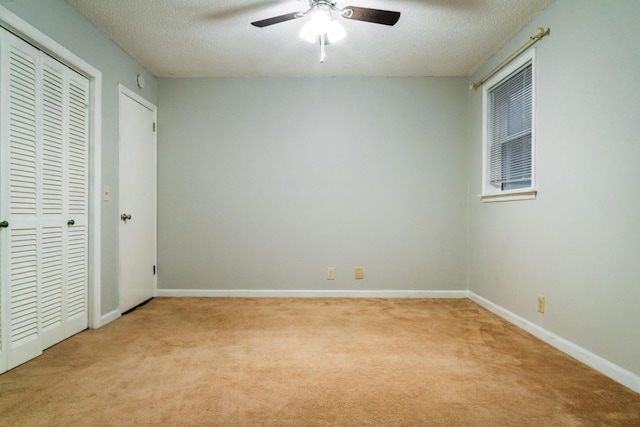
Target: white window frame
489 192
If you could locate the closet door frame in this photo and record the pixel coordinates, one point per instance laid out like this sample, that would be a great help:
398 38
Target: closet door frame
24 30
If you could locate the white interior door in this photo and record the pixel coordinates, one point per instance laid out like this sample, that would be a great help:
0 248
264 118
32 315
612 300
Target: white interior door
137 200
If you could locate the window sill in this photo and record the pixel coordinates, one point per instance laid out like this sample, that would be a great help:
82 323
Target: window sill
508 196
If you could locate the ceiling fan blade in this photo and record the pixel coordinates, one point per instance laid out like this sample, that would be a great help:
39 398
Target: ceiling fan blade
377 16
276 19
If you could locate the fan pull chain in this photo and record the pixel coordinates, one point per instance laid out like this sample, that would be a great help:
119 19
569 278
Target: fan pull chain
322 54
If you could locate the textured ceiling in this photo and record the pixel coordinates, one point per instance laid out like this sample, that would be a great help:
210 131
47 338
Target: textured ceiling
214 38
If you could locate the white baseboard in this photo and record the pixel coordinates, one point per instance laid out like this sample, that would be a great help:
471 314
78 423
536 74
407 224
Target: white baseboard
273 293
109 317
611 370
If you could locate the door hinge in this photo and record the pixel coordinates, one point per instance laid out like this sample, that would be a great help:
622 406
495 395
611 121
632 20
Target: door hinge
154 126
154 270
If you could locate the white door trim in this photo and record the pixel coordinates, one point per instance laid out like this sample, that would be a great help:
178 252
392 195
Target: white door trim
27 32
123 90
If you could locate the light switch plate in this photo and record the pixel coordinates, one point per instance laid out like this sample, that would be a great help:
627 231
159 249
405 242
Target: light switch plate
359 273
106 193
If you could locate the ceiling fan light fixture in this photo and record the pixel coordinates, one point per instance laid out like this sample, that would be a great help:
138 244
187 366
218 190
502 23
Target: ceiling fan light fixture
321 23
335 32
309 32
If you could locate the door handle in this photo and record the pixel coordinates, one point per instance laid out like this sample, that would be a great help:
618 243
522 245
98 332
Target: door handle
71 222
4 224
125 217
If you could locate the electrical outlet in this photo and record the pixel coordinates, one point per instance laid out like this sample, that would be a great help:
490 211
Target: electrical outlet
541 303
331 273
359 271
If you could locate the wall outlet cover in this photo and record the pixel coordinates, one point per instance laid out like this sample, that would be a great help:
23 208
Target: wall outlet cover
541 303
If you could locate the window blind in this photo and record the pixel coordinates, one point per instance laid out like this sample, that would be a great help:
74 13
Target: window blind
510 118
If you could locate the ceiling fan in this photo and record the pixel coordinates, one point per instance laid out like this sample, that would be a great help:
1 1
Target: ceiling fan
323 28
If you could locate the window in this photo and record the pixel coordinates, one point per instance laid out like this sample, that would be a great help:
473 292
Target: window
508 143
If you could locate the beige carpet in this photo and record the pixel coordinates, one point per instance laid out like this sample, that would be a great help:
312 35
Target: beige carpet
313 362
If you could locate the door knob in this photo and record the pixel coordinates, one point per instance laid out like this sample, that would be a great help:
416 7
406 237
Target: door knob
71 222
4 224
125 217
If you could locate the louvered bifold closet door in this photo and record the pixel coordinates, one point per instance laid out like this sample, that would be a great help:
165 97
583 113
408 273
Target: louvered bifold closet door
20 181
51 213
76 202
44 158
65 137
4 211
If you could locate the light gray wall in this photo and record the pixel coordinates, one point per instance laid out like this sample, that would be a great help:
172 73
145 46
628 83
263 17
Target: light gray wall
264 183
60 22
578 244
